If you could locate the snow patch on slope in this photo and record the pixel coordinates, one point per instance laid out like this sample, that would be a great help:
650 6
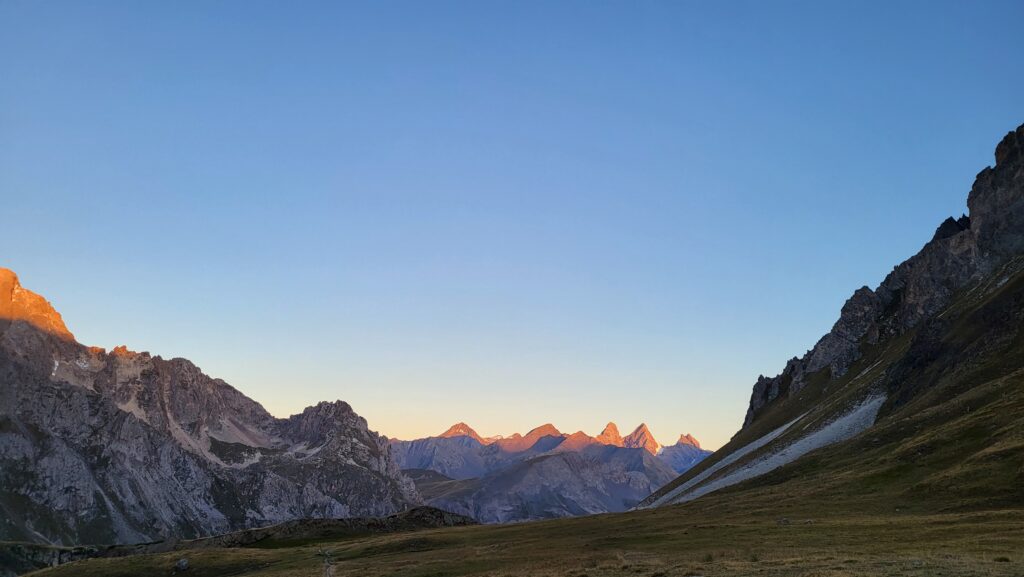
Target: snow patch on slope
735 456
856 420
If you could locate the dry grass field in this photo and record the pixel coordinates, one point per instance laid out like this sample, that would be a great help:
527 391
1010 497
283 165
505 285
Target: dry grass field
712 537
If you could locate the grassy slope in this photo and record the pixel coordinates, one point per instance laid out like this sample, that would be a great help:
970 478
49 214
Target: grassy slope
708 537
935 488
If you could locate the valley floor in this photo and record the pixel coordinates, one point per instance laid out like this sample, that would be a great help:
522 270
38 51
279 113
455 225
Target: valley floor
712 537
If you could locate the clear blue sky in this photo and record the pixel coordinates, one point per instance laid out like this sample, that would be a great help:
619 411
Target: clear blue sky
506 213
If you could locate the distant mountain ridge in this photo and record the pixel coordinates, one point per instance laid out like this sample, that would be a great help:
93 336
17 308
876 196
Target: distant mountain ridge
102 447
640 438
544 473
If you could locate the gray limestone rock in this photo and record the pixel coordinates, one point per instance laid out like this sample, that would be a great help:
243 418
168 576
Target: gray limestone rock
104 447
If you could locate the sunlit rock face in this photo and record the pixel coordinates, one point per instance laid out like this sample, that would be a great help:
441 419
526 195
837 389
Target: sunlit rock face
464 430
543 474
962 251
641 438
18 305
121 446
610 435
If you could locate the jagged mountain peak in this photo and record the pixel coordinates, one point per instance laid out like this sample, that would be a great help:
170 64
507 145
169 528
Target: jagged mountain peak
951 227
316 423
517 442
610 435
640 430
124 351
18 304
642 438
1009 148
461 429
688 439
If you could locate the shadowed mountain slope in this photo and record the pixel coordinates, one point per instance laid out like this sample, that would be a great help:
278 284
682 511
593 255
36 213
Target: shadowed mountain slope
122 447
921 377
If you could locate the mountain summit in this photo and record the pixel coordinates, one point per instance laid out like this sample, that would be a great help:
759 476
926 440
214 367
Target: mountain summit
517 442
610 435
463 430
688 439
641 438
18 304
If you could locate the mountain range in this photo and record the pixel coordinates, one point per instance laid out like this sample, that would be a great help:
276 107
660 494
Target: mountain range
542 474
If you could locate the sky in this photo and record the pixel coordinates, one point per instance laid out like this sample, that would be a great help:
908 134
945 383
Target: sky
503 213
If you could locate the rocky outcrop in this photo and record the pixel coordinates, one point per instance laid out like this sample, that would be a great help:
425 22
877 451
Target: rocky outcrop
18 305
688 439
961 252
122 447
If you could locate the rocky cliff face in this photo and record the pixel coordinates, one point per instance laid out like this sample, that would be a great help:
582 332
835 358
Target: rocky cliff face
961 252
120 447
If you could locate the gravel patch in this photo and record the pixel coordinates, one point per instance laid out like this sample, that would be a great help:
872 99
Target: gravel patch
858 419
735 456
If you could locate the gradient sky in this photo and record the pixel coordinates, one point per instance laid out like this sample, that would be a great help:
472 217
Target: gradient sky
506 213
